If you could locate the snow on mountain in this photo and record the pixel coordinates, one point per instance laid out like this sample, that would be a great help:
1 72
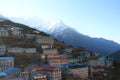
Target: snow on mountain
57 27
62 32
40 24
34 22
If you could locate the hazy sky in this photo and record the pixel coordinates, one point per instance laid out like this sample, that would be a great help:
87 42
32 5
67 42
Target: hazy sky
97 18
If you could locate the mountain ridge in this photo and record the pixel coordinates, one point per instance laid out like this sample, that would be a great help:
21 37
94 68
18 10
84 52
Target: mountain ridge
62 32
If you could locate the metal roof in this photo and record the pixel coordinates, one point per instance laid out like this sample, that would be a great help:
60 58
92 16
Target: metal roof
6 58
10 71
3 74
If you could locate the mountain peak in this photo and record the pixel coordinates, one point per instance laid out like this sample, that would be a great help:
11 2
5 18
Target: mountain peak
59 22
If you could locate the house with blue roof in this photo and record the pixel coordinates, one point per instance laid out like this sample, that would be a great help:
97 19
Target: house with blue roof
9 73
12 72
2 75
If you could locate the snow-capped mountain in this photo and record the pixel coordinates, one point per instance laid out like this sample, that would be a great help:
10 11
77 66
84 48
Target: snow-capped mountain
64 33
34 22
70 36
57 28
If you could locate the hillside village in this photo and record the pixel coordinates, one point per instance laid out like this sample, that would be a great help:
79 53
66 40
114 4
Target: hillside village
28 54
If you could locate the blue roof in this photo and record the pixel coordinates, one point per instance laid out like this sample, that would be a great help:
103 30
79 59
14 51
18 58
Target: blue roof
60 66
89 65
70 64
10 71
3 74
6 58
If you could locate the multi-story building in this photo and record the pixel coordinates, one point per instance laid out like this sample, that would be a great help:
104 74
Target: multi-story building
52 73
6 62
80 71
30 36
2 49
21 50
17 32
57 61
72 60
94 61
44 40
4 33
37 76
53 58
50 51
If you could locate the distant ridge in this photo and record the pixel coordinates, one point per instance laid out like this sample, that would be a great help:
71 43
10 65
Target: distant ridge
116 55
62 32
70 36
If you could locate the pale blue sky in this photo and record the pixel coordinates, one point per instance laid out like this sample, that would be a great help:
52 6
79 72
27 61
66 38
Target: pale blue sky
97 18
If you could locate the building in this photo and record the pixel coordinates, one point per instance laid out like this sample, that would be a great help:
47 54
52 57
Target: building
12 72
43 46
72 60
50 51
85 54
44 40
17 32
77 70
21 50
68 50
94 61
37 76
2 49
4 33
80 71
9 73
6 62
57 61
53 58
52 73
31 36
24 74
